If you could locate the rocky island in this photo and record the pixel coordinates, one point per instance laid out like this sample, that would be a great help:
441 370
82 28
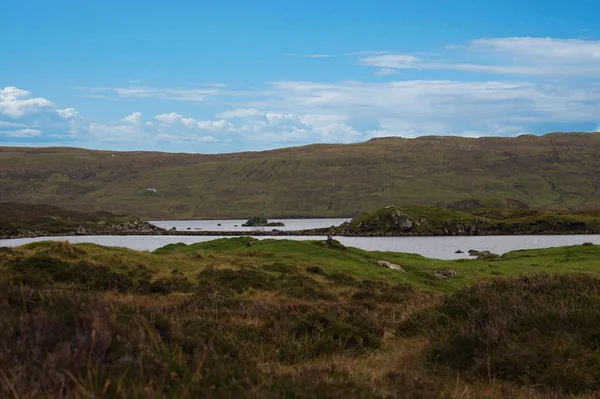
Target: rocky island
259 221
473 217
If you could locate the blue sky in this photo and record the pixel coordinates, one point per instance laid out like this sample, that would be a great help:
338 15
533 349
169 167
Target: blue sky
224 76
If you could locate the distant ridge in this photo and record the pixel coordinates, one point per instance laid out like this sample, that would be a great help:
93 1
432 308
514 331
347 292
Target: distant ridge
557 170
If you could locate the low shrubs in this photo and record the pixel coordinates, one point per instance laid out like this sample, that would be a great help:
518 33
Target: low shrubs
539 330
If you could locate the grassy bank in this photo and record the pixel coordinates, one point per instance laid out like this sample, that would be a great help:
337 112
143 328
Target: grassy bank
296 319
438 221
26 220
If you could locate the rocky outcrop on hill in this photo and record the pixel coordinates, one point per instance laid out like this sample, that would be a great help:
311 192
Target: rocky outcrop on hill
21 221
443 221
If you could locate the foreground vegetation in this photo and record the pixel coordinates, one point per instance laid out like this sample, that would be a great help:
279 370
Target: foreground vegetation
556 170
276 318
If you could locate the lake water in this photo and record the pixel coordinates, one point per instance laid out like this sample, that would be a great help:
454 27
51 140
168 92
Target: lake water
236 224
431 247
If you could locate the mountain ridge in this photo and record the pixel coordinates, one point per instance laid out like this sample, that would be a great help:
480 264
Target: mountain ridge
556 170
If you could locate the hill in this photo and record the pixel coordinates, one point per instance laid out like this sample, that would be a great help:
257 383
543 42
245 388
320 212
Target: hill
21 220
558 170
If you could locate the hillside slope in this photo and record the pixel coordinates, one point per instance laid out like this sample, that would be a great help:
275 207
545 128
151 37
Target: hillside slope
24 220
555 170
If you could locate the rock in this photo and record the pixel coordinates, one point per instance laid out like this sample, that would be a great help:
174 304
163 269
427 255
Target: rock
402 221
390 265
459 252
444 274
259 221
81 230
483 254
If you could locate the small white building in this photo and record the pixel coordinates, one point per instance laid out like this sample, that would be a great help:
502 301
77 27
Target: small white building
151 191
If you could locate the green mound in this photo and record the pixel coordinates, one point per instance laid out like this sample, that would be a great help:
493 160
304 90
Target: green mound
469 220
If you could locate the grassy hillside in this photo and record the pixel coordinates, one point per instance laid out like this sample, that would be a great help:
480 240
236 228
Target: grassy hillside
556 170
24 220
293 319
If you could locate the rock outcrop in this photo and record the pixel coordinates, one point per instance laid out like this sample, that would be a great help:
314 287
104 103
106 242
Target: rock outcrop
390 265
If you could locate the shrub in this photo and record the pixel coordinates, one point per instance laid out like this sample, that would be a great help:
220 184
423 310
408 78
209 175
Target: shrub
279 267
341 278
75 345
239 280
315 269
537 330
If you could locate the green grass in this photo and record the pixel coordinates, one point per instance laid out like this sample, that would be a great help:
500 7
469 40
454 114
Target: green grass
437 220
297 319
356 263
557 171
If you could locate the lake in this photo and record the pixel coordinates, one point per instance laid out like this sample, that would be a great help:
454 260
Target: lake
431 247
236 224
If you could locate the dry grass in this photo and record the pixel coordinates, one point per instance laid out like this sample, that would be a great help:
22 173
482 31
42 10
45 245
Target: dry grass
273 328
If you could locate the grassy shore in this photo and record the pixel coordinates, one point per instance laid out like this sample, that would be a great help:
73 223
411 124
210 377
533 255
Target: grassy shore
241 317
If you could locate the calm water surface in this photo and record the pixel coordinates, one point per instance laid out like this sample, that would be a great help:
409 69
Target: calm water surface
236 224
431 247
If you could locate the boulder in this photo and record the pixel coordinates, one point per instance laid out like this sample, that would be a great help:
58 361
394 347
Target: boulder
390 265
483 254
444 274
402 221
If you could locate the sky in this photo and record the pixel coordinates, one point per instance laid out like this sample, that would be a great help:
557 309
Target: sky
210 76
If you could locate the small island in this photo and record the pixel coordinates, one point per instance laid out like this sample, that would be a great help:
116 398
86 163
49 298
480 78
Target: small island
259 221
470 217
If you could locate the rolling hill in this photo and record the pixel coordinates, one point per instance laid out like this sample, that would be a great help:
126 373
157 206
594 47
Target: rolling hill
557 171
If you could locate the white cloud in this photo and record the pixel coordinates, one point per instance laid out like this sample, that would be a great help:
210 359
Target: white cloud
133 92
5 124
25 116
68 113
509 56
22 133
135 118
239 113
16 103
506 86
386 72
132 130
169 118
567 50
400 61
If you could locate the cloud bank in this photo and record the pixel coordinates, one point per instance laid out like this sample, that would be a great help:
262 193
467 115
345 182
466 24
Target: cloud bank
504 86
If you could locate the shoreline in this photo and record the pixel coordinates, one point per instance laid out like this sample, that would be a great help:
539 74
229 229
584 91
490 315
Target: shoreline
280 233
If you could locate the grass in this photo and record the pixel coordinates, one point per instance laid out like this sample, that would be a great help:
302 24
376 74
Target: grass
26 219
437 220
295 319
555 171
